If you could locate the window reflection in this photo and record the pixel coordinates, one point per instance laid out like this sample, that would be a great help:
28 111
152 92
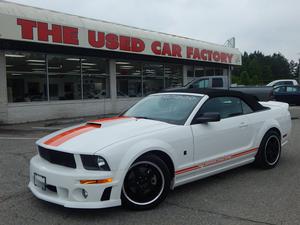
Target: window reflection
152 85
199 71
153 70
95 78
153 78
82 77
26 76
129 79
64 77
173 76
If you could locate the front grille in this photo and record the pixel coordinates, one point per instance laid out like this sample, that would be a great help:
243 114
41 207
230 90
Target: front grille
56 157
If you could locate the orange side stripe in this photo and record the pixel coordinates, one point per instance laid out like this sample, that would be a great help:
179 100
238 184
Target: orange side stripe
67 135
215 161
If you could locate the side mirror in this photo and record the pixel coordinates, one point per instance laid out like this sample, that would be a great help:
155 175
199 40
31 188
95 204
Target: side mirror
208 117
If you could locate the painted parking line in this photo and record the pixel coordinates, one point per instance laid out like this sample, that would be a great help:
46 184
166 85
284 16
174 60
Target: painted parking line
18 138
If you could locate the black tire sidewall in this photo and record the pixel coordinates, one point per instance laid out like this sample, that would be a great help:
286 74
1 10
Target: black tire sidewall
166 173
261 159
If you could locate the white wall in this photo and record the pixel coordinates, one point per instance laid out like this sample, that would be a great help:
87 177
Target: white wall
35 111
26 112
3 89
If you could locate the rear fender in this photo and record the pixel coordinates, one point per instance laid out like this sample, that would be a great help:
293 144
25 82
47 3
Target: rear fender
269 124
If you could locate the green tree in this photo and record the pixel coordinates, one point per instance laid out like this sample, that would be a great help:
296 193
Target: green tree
244 78
258 68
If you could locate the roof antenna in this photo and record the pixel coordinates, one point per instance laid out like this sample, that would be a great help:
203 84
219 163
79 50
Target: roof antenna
230 43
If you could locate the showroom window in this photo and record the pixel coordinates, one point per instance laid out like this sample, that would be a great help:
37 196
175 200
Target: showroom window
199 71
137 79
218 71
129 79
95 78
26 76
190 71
173 75
209 72
153 78
64 77
69 77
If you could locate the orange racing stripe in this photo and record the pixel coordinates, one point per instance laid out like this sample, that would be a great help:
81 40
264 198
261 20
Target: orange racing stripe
67 135
109 119
215 161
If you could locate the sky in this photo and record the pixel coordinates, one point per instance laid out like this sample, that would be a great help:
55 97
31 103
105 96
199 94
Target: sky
270 26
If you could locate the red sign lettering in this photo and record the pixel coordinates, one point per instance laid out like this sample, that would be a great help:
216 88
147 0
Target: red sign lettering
176 51
137 45
60 34
208 55
156 47
96 42
96 39
44 32
26 28
113 41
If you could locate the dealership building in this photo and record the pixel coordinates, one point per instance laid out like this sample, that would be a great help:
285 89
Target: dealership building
56 65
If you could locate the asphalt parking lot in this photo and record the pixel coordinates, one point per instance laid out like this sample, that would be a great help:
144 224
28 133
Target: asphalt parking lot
246 195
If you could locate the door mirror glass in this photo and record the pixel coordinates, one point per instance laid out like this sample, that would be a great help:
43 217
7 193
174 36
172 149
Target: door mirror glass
208 117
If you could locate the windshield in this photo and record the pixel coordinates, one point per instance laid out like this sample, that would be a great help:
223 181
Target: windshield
170 108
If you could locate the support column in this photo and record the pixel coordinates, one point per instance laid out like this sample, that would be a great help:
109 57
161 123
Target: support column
184 71
113 83
3 89
229 76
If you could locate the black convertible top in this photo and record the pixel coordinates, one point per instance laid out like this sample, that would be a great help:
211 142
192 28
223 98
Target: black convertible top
212 93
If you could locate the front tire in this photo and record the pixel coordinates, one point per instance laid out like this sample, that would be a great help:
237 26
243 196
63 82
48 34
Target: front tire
146 183
269 151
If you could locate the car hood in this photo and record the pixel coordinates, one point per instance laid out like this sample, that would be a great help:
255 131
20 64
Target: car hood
95 135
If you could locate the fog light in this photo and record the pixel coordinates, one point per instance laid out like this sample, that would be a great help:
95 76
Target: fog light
84 193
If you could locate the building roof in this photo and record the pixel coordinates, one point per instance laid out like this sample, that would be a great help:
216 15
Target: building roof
9 30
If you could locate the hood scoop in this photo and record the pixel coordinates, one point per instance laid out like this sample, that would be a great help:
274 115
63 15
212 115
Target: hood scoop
110 121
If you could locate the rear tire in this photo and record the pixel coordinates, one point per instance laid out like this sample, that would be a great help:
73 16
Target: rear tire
269 151
146 183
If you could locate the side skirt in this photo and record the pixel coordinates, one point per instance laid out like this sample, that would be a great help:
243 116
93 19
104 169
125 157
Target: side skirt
197 175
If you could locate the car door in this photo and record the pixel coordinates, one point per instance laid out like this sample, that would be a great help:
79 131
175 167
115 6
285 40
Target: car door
292 94
217 82
201 83
297 95
231 135
281 94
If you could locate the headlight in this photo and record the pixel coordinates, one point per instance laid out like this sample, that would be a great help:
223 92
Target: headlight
94 162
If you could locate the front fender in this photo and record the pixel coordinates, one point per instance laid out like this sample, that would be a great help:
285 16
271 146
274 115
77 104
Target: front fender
143 147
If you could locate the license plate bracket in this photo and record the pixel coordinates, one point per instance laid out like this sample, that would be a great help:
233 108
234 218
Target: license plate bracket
39 181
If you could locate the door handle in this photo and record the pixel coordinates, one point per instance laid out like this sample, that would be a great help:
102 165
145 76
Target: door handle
243 124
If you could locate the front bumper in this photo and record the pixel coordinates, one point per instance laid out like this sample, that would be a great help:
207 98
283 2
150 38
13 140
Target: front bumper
63 185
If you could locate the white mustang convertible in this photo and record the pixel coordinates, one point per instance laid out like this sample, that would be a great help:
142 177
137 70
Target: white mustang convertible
165 140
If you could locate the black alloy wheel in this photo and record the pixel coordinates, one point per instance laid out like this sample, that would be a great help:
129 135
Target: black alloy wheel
146 183
269 151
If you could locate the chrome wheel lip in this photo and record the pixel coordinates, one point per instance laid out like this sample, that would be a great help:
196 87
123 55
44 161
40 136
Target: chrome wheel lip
279 150
162 185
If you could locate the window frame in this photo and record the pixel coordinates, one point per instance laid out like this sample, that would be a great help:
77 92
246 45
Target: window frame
217 79
204 80
48 74
240 99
